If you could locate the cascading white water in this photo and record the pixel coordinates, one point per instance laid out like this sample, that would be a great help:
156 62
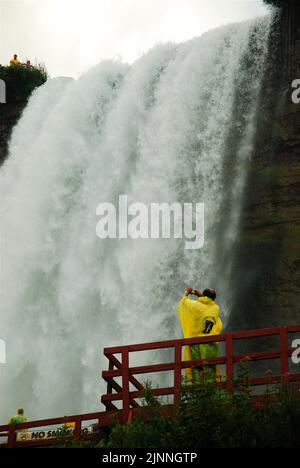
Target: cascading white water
158 131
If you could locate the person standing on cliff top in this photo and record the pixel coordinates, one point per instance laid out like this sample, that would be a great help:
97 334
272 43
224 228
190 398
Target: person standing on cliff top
28 65
14 61
200 317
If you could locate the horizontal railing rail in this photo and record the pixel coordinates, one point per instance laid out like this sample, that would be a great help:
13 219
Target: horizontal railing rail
120 368
10 431
130 389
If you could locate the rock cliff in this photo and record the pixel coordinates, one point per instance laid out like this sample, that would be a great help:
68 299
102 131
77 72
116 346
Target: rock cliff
9 116
266 272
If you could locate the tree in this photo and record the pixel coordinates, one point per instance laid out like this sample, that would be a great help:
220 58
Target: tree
21 81
207 417
276 3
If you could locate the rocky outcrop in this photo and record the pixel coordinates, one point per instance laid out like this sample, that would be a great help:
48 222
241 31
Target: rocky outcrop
266 273
9 116
20 82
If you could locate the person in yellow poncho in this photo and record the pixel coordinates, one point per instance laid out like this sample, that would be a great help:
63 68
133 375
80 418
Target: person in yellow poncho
200 317
15 61
19 418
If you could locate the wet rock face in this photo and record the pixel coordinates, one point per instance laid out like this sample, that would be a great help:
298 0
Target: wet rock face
9 116
266 273
293 45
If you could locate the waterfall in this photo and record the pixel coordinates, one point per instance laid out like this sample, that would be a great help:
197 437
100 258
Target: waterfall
176 126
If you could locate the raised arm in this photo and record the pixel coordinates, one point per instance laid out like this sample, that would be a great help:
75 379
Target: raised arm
188 291
197 293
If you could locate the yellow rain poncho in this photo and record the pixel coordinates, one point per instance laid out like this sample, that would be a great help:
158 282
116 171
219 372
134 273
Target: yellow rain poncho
18 418
200 318
14 62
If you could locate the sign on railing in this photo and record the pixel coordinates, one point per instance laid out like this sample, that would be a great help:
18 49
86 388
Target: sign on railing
25 436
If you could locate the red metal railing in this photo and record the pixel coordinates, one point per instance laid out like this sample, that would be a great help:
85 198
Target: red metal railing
122 393
9 432
120 368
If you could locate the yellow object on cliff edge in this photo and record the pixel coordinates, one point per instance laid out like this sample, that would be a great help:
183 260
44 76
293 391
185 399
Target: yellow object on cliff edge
14 62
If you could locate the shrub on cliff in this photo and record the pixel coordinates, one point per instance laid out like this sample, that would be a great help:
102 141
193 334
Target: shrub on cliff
276 3
21 81
209 418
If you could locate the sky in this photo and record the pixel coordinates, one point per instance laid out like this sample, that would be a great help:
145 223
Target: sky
70 36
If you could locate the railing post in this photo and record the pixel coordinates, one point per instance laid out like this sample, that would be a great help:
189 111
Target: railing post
284 358
77 430
177 374
229 363
11 440
125 384
109 385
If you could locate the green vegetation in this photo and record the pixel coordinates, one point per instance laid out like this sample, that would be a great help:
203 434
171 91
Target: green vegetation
21 81
208 418
276 3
